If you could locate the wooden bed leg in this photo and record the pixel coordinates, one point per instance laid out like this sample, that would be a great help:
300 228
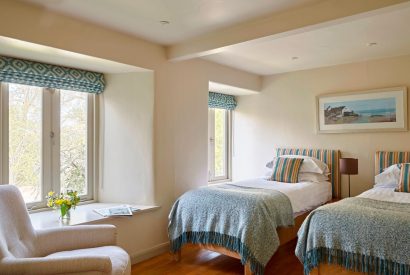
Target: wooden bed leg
177 256
247 269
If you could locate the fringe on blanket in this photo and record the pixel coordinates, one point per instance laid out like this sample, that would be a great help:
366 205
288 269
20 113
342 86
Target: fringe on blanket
226 241
353 262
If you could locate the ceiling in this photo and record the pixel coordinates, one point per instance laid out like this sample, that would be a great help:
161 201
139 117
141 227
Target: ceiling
21 49
337 44
188 18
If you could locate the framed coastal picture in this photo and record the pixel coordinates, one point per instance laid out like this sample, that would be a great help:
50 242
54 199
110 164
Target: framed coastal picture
363 111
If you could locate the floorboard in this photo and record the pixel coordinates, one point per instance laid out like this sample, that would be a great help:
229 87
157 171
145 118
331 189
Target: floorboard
197 261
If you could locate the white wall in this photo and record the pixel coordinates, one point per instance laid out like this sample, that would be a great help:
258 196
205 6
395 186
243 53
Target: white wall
177 101
127 133
127 164
144 235
284 115
181 125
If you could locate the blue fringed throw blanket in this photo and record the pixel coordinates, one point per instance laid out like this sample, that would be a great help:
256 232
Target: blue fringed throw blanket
240 219
358 234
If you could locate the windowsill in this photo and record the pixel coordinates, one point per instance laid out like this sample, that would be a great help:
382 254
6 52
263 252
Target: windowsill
219 181
32 210
81 215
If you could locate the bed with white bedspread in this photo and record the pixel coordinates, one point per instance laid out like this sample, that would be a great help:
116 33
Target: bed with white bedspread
303 196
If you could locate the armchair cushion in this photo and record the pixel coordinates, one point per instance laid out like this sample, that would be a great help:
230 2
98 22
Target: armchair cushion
75 264
120 260
74 237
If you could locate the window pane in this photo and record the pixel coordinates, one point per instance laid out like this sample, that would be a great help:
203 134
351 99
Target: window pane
73 141
220 143
25 134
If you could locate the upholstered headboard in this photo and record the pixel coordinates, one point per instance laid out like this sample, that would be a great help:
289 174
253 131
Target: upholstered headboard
385 159
330 157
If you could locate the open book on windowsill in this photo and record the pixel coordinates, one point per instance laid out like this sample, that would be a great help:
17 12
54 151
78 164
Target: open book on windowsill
120 210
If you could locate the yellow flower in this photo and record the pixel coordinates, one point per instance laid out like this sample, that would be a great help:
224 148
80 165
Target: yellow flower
69 199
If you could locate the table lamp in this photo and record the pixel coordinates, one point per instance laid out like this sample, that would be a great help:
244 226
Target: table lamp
348 166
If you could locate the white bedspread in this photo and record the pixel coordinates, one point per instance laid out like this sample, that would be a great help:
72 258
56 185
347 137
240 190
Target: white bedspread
303 196
386 194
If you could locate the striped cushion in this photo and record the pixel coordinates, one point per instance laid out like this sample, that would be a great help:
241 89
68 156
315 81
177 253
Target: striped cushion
404 185
286 169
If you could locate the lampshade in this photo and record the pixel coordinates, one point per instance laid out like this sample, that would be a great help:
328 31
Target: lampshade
348 166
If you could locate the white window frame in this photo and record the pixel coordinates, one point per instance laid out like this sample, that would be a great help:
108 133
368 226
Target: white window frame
211 148
50 175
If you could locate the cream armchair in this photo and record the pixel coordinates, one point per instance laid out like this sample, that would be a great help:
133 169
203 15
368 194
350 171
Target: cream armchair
86 249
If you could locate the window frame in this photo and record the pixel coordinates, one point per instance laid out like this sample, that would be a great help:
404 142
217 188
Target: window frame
50 147
211 147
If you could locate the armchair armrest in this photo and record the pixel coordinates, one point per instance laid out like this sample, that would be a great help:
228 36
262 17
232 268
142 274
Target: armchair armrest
57 265
74 237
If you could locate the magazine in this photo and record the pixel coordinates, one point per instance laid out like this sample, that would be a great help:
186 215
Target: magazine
120 210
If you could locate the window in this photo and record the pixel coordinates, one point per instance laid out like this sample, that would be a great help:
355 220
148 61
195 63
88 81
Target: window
219 144
73 141
25 134
47 141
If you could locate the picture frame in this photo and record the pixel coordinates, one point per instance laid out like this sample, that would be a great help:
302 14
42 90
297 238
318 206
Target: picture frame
378 110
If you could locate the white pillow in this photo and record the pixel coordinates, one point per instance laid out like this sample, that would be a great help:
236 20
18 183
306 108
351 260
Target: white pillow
268 174
312 177
389 178
309 165
303 177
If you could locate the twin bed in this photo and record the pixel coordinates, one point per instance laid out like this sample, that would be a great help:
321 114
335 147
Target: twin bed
248 220
367 234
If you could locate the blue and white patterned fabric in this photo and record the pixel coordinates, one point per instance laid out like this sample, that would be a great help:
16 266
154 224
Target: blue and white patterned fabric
240 219
32 73
359 234
221 101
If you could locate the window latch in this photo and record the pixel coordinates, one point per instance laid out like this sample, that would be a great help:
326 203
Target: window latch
51 134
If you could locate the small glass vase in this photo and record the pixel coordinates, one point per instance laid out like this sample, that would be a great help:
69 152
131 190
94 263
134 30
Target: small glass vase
65 216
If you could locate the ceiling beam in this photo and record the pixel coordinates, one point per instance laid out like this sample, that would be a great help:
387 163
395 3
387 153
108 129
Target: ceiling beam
276 25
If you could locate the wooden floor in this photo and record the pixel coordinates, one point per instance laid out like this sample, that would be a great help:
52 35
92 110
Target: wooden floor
198 261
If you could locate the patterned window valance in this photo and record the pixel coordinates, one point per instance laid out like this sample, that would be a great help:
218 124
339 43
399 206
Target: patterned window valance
221 101
32 73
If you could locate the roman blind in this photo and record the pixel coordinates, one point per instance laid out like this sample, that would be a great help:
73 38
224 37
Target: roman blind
221 101
33 73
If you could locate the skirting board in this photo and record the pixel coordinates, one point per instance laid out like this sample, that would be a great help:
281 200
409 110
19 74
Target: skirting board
149 253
